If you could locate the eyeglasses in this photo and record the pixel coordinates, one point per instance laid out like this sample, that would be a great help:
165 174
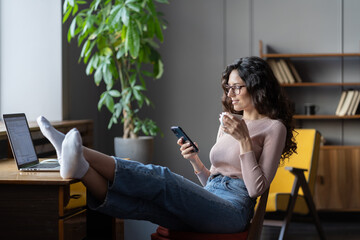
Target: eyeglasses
236 88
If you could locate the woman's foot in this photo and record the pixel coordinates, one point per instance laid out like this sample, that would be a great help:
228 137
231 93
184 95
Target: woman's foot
54 136
73 164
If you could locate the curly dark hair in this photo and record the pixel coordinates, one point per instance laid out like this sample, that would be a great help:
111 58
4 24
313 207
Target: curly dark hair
267 95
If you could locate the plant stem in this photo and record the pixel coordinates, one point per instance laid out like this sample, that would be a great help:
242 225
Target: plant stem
128 121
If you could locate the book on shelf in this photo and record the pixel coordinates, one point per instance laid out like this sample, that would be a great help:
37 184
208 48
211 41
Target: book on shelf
356 106
294 71
348 103
274 67
341 102
284 71
352 104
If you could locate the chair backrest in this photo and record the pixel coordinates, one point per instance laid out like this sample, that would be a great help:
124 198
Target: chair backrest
258 219
308 145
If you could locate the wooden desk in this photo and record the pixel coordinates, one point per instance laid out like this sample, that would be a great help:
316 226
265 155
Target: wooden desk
35 205
41 205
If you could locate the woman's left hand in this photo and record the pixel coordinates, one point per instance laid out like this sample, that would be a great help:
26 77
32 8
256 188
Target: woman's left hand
235 127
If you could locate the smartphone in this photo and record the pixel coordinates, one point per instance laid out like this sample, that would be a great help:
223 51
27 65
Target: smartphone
180 133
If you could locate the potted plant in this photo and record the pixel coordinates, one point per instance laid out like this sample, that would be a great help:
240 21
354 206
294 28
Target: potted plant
119 39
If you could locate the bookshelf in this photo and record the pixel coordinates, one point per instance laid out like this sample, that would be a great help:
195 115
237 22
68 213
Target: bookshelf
313 84
338 163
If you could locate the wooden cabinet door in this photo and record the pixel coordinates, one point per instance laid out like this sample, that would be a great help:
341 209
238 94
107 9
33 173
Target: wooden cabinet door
338 179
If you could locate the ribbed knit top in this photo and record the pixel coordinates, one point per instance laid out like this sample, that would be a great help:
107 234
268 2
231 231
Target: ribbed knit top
258 167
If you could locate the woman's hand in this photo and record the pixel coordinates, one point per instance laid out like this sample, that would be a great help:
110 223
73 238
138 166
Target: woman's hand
235 127
187 151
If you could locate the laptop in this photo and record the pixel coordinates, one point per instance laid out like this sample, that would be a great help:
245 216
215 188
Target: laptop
22 146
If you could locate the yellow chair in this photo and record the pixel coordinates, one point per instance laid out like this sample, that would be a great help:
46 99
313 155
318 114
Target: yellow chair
299 171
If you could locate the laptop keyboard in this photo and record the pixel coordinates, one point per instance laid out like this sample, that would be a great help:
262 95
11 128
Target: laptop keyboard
46 165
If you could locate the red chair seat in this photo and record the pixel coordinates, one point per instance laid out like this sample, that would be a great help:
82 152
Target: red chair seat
167 234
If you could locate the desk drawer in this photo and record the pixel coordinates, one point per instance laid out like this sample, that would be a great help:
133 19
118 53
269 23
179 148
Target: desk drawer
73 227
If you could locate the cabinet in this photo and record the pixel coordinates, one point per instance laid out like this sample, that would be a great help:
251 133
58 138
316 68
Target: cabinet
337 185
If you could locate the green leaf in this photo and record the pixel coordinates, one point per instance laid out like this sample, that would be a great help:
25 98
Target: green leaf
158 69
72 27
131 1
137 94
150 27
137 129
127 98
123 33
75 9
114 93
89 67
107 75
139 88
109 102
102 100
97 4
88 52
67 14
120 52
115 15
110 123
144 129
98 75
133 7
147 73
151 7
118 110
114 118
162 1
85 48
66 6
158 30
132 41
125 16
69 36
132 80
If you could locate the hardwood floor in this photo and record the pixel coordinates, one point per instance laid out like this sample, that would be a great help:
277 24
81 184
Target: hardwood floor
336 226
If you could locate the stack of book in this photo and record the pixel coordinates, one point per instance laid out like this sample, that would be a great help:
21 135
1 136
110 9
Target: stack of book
349 103
284 71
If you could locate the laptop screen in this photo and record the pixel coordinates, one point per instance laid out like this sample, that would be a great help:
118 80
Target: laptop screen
20 139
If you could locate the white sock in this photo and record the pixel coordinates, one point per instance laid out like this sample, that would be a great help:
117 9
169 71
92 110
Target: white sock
54 136
74 165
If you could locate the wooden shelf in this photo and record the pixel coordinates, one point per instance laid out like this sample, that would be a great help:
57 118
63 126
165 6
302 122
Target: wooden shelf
314 84
328 147
307 55
324 117
302 55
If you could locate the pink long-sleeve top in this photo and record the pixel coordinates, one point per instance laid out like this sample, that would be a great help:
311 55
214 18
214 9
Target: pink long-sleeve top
258 167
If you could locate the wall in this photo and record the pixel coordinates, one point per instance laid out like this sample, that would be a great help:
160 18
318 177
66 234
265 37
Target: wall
202 38
30 58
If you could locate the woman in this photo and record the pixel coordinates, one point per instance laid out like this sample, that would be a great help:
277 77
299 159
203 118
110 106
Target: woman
244 161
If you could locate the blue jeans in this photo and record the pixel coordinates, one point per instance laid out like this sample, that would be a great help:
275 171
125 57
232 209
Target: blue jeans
154 193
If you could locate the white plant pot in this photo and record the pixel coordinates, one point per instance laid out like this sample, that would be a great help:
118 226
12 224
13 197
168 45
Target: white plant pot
139 149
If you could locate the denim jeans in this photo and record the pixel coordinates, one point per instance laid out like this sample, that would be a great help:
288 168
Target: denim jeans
154 193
